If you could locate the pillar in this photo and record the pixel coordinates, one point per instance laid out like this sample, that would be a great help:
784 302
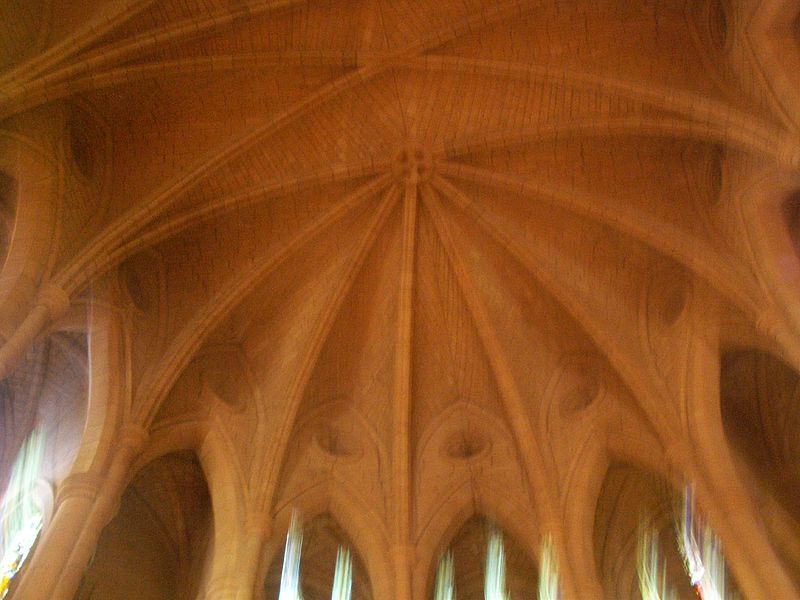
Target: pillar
79 520
236 559
74 501
70 569
720 490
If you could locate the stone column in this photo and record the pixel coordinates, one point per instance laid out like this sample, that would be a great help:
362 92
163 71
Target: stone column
106 504
74 501
237 553
572 544
402 558
720 490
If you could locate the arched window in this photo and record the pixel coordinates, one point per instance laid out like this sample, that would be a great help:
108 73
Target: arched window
43 410
650 543
321 545
488 563
21 511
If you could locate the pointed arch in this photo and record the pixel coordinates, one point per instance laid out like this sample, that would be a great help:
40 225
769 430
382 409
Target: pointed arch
190 339
759 396
660 125
740 128
467 540
361 527
774 41
31 172
161 535
628 499
762 200
463 503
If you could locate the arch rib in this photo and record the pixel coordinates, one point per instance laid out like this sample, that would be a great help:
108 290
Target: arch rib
650 394
740 128
42 91
540 478
102 24
320 333
250 197
85 265
29 93
155 387
82 268
597 127
685 249
401 399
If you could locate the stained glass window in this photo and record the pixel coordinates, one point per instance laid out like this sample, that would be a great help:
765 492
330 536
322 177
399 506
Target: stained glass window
290 575
343 576
549 588
290 586
650 567
494 587
702 558
702 554
21 515
445 582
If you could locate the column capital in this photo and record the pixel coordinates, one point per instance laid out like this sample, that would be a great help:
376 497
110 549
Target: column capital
78 485
132 436
404 556
258 522
54 299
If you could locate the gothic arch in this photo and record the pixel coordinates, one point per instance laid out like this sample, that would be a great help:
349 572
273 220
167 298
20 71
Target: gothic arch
630 498
32 173
759 402
468 544
464 503
341 510
156 546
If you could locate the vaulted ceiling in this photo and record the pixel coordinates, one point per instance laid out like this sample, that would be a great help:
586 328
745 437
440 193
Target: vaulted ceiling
435 257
